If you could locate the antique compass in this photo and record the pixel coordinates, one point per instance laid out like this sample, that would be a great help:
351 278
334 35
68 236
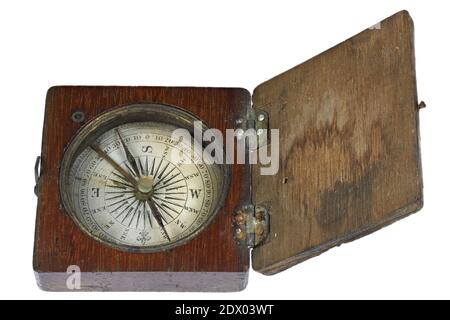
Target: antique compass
123 204
127 183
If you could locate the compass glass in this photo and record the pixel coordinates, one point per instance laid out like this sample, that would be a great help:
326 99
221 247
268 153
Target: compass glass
127 183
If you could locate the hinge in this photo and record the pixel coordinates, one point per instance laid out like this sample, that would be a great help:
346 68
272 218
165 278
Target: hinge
251 225
257 120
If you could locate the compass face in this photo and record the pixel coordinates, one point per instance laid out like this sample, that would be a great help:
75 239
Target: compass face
131 185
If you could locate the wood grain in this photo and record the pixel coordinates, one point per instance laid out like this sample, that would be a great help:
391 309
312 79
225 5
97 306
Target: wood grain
349 149
59 243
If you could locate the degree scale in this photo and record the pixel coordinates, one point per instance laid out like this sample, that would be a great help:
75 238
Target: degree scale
113 203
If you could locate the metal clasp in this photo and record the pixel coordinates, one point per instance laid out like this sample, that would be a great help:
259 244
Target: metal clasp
37 174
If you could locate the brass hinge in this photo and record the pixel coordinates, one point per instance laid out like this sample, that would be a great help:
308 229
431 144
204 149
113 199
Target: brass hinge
251 225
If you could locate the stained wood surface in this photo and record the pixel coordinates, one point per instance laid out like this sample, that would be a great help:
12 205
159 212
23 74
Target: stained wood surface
349 151
59 243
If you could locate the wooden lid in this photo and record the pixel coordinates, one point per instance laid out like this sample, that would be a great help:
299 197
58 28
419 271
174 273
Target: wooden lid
349 149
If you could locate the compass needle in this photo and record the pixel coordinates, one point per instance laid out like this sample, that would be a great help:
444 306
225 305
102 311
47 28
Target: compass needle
157 215
165 211
128 154
116 166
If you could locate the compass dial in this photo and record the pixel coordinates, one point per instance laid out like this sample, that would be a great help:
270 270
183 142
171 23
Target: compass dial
134 187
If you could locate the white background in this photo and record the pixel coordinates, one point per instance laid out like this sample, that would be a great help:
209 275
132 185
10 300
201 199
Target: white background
231 43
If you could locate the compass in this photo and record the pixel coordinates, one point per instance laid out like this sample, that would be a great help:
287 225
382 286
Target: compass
187 188
127 183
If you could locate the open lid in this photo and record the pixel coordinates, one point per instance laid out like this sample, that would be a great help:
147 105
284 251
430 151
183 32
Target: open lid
349 146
